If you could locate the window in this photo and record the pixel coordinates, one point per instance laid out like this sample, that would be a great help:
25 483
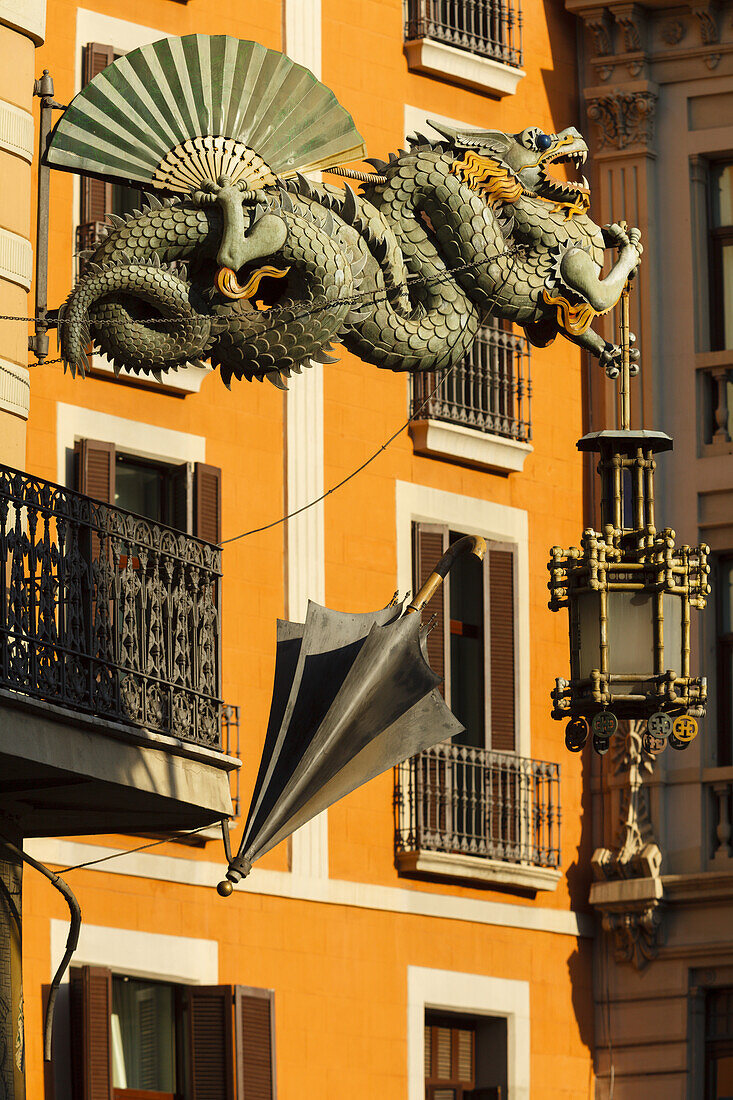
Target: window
99 197
472 642
489 391
144 1040
724 628
465 1057
719 1045
489 28
186 496
721 255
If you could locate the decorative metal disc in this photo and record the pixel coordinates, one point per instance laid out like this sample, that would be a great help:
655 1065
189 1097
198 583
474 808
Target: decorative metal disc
659 724
604 724
600 744
685 728
653 744
576 734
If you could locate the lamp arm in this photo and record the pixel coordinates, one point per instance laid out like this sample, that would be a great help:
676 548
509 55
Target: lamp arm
469 544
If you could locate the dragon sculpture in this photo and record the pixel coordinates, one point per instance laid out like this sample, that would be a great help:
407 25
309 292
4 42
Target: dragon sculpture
261 279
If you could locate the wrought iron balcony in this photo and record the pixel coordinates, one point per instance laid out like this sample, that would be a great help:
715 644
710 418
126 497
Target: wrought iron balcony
490 391
488 28
106 613
479 803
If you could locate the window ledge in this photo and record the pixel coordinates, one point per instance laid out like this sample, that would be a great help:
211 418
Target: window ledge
441 439
185 380
426 55
477 869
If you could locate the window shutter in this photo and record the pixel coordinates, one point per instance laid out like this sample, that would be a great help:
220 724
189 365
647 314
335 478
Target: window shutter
209 1009
430 541
207 502
94 469
91 1048
501 643
96 196
180 518
254 1030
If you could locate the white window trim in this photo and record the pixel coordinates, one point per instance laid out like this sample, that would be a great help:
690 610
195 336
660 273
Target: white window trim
480 995
91 26
152 955
496 522
130 436
427 55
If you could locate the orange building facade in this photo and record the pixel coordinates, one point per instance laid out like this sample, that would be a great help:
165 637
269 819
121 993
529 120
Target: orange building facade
382 955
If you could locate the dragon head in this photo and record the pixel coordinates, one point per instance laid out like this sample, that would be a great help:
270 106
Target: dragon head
526 159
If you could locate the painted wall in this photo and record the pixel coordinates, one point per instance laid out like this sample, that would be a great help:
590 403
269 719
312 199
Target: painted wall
335 940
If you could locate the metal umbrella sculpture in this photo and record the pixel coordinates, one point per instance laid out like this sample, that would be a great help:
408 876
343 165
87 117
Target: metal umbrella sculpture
353 696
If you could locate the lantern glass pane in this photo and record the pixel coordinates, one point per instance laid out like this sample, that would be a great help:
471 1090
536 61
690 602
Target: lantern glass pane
672 633
630 638
630 631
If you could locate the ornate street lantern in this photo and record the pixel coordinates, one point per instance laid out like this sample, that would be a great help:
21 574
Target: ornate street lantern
629 592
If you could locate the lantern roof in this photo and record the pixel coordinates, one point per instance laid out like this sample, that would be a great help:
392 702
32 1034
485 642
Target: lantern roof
625 441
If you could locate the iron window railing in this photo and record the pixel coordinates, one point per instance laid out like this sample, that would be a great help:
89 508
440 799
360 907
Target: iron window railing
490 391
107 613
478 802
230 745
489 28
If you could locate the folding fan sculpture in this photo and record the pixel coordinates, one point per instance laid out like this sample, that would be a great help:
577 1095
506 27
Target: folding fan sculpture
402 273
353 696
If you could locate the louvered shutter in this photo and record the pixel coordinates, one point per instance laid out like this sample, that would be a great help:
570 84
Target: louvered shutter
209 1010
91 1047
254 1030
501 643
430 541
180 517
94 469
207 502
96 196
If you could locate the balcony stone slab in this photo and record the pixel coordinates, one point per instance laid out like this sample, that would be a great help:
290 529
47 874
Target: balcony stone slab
67 773
477 869
441 439
426 55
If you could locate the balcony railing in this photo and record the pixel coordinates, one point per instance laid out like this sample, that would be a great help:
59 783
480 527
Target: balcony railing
107 613
490 391
716 400
489 28
89 235
478 802
230 745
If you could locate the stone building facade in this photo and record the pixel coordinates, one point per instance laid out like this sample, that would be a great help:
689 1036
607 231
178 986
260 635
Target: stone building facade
657 86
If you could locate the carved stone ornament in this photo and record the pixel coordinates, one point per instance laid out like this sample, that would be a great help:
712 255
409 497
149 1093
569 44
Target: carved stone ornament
631 18
623 119
628 888
673 31
598 22
707 17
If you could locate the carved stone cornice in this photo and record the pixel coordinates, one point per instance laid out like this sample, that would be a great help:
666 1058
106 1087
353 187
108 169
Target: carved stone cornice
628 889
623 119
